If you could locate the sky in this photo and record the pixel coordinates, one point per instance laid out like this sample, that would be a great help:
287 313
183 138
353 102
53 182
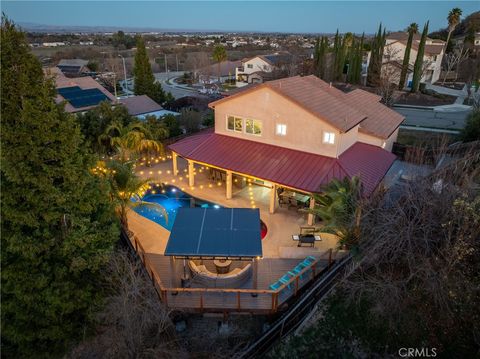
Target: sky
261 16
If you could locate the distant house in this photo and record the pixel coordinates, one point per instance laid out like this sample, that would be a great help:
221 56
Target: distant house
209 74
394 53
80 94
259 68
143 106
459 41
73 67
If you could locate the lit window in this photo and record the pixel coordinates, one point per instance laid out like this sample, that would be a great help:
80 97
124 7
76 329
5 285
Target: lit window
235 124
329 137
281 129
253 127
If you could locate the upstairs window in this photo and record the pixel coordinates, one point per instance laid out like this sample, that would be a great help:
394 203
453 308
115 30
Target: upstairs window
329 137
250 66
235 124
281 129
253 127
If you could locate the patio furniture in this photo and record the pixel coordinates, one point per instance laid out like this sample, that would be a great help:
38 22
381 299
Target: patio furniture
234 279
222 266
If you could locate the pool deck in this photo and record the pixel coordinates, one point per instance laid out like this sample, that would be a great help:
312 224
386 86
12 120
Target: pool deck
280 252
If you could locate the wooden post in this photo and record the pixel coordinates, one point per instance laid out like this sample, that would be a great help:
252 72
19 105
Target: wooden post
273 198
172 269
238 300
311 217
314 269
165 297
296 285
329 258
255 273
174 162
191 179
229 184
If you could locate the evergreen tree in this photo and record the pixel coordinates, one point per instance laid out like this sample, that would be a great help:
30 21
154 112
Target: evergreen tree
376 58
336 47
412 30
145 83
340 57
320 53
57 223
418 67
355 62
316 55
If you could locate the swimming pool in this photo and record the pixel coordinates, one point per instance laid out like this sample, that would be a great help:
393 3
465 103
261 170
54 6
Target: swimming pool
172 198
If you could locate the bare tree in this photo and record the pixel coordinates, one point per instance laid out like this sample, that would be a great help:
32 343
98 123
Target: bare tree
134 323
453 60
390 76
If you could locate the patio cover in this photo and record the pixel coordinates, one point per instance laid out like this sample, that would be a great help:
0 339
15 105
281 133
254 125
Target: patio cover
304 171
215 232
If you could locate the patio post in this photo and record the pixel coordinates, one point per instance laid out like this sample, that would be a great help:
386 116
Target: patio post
174 162
311 217
172 269
229 184
273 198
255 271
191 180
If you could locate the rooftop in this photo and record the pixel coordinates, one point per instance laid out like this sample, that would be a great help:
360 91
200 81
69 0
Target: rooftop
139 105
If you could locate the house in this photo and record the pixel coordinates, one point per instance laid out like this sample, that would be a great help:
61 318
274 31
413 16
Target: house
73 67
80 94
143 106
296 133
209 74
460 41
259 68
394 53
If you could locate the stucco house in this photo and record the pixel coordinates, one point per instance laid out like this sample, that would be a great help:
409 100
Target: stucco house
394 53
259 68
296 133
143 106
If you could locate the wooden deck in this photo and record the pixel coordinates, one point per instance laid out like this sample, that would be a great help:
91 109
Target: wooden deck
245 299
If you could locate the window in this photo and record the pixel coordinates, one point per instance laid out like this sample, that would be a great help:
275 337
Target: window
329 137
253 127
235 123
281 129
250 66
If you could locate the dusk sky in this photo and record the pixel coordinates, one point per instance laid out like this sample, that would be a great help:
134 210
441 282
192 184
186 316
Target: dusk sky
313 16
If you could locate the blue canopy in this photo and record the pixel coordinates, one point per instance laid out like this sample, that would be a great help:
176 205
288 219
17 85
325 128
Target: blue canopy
215 232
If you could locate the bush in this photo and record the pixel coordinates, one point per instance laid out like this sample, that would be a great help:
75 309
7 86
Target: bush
471 132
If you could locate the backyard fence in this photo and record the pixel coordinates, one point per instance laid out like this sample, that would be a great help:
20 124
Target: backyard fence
223 300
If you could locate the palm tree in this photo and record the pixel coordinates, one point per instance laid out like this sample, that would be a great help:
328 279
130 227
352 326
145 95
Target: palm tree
219 55
412 30
126 189
131 139
453 20
339 208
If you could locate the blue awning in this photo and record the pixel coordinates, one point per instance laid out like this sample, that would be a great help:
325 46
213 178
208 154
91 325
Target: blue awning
215 232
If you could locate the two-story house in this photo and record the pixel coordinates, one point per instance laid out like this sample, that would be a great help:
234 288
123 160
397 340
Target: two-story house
259 68
296 133
394 52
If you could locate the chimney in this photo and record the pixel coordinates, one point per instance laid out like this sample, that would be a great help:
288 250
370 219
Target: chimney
330 84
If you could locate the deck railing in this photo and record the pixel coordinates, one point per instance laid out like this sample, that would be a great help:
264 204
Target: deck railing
231 299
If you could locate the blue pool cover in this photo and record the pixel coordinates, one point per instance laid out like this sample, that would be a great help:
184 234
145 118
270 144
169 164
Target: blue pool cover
215 232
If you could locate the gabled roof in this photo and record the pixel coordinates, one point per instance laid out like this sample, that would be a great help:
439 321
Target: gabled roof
313 95
73 62
381 121
300 170
139 105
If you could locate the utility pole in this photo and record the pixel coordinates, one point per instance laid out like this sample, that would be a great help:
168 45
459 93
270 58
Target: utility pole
166 67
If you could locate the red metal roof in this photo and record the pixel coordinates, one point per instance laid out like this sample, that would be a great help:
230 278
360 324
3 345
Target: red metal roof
284 166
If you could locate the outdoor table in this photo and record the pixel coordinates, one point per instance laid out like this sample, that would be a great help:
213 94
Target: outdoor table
222 265
302 198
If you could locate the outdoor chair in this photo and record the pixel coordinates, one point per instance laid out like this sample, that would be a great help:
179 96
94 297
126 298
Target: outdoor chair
283 202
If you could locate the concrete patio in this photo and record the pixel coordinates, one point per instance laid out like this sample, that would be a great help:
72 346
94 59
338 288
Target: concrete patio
281 225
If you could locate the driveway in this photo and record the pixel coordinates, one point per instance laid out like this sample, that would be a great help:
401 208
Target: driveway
433 118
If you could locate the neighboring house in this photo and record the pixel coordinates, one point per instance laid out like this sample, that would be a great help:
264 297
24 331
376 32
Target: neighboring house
73 67
297 133
81 93
259 68
459 41
143 106
394 53
209 74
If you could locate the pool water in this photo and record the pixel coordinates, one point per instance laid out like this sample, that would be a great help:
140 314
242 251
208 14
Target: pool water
171 198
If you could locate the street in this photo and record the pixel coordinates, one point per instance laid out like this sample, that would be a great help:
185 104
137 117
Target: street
433 119
176 90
